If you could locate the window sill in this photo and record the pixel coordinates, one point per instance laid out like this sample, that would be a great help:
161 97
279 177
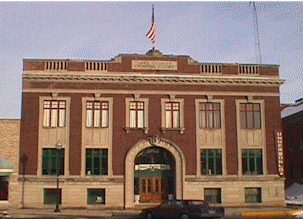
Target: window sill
128 129
173 129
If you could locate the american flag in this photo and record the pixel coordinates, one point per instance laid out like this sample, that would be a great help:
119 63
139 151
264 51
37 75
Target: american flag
152 32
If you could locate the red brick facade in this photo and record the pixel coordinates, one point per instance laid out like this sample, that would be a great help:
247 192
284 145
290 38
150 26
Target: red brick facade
120 81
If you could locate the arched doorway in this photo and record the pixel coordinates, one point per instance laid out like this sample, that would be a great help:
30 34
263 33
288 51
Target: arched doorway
154 175
155 141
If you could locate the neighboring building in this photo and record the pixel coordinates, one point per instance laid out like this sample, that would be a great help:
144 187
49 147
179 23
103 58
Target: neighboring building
138 129
9 162
292 120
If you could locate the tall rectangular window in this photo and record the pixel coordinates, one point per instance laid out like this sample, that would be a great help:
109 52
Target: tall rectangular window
49 161
96 161
172 115
211 162
54 113
212 195
253 195
97 114
136 114
252 163
250 114
210 115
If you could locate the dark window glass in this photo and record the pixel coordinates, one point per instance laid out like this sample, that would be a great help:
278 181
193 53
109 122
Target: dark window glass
252 163
50 157
253 195
51 196
96 162
211 162
212 195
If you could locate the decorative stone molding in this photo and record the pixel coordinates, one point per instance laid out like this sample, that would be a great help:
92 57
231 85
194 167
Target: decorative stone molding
54 95
182 79
209 98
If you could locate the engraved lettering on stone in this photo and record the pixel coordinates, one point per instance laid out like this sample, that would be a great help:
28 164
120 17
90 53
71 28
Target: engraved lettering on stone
154 65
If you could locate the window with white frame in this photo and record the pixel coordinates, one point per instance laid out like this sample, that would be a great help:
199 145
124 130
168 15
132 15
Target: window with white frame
136 114
97 114
54 113
172 115
210 115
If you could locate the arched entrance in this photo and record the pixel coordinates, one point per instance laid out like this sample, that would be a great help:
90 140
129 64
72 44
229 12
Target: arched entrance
176 159
154 175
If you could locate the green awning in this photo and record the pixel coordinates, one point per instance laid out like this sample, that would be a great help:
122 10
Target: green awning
6 168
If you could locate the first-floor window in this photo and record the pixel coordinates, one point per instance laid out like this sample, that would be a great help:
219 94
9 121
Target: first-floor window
95 196
252 163
212 195
51 160
253 195
54 113
96 162
211 162
51 196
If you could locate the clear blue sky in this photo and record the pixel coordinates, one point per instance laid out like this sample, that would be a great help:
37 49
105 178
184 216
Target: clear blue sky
207 31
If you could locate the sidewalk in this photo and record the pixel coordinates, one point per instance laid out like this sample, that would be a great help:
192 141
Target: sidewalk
89 213
39 213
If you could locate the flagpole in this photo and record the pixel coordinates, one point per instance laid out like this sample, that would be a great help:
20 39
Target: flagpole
152 32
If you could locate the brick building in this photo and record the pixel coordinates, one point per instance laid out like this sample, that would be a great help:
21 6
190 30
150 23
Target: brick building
9 162
292 120
138 129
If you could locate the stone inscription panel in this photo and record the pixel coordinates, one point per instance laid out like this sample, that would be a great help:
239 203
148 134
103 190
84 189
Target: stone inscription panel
154 65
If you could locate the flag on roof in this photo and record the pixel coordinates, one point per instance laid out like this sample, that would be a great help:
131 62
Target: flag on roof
152 32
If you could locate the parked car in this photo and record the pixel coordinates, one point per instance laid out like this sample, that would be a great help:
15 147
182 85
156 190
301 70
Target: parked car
183 209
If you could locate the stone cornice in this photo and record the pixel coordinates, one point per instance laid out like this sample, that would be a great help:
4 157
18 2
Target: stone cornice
159 79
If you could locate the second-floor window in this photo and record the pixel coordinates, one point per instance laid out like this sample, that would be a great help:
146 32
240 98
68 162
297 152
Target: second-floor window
250 114
136 114
54 113
210 115
172 115
97 114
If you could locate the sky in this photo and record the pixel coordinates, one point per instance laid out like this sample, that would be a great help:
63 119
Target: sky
210 32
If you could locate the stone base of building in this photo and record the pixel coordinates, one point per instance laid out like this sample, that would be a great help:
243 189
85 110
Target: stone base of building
107 193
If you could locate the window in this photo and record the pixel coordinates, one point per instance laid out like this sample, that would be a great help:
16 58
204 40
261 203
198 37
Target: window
50 157
3 188
250 115
136 114
210 115
211 162
252 195
51 196
97 114
172 115
96 162
212 195
95 196
54 113
252 163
